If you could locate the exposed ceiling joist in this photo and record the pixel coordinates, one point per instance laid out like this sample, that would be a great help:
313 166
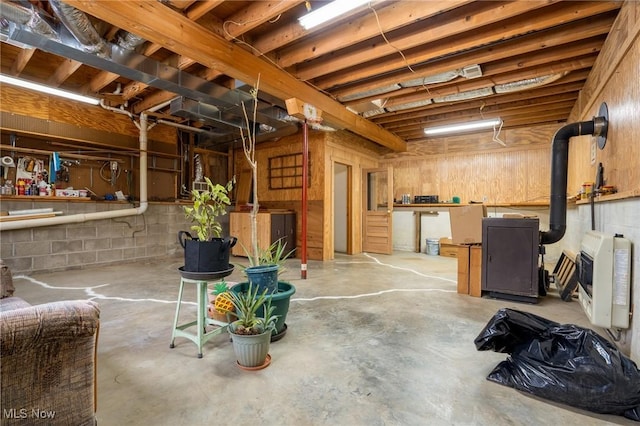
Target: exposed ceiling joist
157 23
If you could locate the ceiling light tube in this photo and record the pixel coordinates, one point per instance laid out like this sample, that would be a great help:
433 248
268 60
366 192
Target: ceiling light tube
328 12
46 89
463 127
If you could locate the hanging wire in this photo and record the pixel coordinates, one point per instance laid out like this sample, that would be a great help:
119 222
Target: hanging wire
404 58
496 128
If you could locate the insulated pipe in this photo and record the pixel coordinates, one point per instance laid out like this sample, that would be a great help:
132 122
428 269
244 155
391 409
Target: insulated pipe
559 166
81 28
28 17
110 214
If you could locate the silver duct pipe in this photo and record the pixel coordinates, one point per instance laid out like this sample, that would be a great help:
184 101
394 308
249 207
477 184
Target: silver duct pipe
81 28
27 16
134 66
129 41
559 167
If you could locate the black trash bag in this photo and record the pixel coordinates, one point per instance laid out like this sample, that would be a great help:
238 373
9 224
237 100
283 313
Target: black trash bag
562 362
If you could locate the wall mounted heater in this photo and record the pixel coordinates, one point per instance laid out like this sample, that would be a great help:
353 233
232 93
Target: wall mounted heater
604 274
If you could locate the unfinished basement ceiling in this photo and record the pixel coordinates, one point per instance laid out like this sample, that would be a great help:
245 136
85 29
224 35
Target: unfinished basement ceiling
384 71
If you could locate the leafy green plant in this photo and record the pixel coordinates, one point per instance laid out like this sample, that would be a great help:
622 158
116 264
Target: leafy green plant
207 206
273 255
246 306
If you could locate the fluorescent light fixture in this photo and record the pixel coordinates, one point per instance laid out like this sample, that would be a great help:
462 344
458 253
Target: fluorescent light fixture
328 12
46 89
463 127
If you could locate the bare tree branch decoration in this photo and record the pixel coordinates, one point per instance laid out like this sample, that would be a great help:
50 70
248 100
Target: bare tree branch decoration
248 135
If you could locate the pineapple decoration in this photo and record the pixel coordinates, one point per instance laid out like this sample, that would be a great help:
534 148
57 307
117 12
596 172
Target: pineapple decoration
221 301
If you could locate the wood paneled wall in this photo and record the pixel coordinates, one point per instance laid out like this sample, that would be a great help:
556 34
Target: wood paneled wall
358 154
475 168
51 108
49 123
325 148
287 145
621 155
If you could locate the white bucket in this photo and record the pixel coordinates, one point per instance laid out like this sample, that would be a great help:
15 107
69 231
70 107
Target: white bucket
433 246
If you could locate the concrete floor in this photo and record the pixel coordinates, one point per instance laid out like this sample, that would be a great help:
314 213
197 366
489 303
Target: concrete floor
371 340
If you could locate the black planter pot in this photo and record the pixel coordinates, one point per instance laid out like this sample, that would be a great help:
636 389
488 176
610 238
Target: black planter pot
206 256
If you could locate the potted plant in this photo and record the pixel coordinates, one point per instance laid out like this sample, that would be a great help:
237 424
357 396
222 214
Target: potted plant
271 260
251 333
207 252
264 270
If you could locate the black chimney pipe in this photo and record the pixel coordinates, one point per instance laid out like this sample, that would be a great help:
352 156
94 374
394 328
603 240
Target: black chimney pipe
559 167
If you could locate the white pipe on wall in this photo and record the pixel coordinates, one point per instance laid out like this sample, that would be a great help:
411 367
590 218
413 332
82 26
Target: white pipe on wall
143 127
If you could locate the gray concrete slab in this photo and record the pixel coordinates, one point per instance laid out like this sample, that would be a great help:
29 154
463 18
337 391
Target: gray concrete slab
371 340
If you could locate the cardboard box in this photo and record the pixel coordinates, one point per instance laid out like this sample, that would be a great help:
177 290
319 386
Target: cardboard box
466 223
447 248
470 270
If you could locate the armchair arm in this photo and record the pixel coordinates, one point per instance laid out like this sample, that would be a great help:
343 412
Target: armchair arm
48 361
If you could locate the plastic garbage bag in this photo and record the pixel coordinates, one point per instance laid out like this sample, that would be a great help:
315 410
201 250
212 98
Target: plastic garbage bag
564 363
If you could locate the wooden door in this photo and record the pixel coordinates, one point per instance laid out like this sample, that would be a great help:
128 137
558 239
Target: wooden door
377 202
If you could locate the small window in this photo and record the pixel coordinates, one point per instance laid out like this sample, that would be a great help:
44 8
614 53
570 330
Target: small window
285 172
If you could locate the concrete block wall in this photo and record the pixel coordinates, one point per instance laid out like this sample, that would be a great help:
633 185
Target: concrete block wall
108 241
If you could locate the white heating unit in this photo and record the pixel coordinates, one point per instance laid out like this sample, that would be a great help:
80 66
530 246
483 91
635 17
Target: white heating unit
604 274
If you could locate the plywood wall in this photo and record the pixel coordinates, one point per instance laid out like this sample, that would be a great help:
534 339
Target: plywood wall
358 154
621 155
287 145
47 123
476 168
325 149
53 109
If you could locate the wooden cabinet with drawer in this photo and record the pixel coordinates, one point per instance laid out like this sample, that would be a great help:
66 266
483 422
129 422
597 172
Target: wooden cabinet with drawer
272 225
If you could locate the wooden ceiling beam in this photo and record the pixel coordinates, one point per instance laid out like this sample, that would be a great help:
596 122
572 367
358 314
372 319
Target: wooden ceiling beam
22 60
449 26
254 15
547 116
504 113
412 94
63 72
543 92
159 24
518 105
522 46
104 78
387 18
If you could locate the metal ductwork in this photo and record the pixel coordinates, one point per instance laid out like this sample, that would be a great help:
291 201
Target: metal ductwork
559 167
81 27
25 16
201 99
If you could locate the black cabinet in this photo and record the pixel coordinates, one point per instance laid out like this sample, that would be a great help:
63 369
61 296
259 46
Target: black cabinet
283 225
510 258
